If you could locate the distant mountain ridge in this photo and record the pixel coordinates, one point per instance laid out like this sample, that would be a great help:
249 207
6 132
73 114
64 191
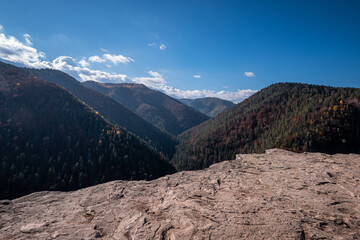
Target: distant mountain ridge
50 140
292 116
111 110
156 107
210 106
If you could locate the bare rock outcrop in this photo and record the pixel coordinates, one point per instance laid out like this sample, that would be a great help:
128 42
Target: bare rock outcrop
277 195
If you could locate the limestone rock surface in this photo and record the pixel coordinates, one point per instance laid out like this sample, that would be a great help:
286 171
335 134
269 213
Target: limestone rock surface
276 195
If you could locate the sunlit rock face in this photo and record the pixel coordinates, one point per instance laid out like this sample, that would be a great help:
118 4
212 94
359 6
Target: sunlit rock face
276 195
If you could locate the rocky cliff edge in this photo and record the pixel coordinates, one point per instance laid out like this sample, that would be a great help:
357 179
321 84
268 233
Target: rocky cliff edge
276 195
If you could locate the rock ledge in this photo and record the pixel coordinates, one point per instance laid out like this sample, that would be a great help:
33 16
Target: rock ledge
277 195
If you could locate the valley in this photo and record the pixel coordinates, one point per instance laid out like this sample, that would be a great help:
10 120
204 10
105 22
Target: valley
164 112
66 136
210 106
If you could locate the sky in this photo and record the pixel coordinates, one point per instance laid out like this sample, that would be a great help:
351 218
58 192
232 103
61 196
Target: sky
188 49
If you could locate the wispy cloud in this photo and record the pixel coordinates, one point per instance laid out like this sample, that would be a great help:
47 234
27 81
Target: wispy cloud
104 50
156 80
197 76
152 45
162 47
249 74
115 59
96 59
27 39
1 28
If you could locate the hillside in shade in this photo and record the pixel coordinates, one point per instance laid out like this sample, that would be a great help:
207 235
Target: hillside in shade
297 117
210 106
51 140
165 112
112 110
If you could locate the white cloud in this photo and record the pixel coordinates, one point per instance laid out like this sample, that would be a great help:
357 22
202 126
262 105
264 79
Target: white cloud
69 65
115 59
162 47
27 39
1 28
87 74
13 50
197 76
84 63
152 44
96 59
156 80
235 97
64 63
249 74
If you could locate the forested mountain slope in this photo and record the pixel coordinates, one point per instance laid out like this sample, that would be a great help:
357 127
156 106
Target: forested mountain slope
210 106
297 117
49 139
111 110
156 107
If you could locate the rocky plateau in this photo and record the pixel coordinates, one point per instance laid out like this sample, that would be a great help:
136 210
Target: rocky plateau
276 195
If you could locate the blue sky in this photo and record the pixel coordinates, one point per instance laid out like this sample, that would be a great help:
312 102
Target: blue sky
208 48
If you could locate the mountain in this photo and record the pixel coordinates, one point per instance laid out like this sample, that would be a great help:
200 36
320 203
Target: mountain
49 139
297 117
165 112
111 110
277 195
210 106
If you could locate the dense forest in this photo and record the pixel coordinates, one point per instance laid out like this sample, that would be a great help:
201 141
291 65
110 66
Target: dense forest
210 106
112 110
297 117
50 140
161 110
